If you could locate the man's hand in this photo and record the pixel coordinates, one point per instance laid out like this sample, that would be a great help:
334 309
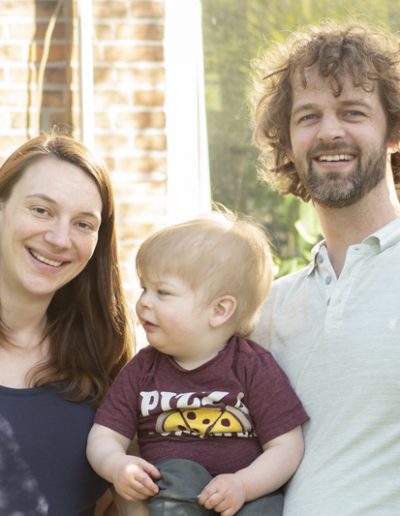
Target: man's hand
224 494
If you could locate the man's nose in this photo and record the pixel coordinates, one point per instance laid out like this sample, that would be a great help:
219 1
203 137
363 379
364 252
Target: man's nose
330 128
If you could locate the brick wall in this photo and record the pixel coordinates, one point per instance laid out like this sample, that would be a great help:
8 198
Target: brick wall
39 88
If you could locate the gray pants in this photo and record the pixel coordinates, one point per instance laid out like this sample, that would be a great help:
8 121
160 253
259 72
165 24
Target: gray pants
182 480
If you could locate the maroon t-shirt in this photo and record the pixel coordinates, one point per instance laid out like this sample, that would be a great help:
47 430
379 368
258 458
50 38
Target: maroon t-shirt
218 415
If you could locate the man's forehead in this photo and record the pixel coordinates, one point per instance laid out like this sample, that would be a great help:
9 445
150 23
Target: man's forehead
310 79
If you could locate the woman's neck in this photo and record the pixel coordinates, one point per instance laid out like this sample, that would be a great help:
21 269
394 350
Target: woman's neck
25 320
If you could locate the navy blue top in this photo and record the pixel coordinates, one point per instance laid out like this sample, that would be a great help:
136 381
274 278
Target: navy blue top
43 465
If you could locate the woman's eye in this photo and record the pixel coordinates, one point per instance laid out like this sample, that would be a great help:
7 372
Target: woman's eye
39 210
85 226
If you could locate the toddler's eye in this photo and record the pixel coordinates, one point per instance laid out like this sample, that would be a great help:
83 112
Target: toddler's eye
163 292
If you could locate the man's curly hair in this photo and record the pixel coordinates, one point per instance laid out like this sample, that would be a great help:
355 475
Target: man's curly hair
370 58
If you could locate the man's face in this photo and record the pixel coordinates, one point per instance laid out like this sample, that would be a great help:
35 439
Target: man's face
338 144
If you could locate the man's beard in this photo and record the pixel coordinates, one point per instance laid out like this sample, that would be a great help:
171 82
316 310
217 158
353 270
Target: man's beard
337 190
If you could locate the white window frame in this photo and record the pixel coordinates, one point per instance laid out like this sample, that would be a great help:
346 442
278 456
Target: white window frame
187 148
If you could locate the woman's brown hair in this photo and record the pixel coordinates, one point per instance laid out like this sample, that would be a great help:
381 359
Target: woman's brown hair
88 320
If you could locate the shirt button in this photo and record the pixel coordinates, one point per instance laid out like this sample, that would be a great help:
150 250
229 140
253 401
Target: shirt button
320 259
328 302
328 280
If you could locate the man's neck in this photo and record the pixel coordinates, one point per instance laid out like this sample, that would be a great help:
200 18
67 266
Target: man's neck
343 227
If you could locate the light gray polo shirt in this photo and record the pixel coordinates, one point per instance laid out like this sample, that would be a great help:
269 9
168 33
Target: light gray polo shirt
339 342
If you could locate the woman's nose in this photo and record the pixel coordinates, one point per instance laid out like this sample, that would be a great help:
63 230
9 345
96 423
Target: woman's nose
59 235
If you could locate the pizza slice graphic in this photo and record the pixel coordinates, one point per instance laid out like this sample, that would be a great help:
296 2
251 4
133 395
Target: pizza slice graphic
204 421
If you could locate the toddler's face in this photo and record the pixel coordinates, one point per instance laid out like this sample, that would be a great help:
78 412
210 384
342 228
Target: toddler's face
174 317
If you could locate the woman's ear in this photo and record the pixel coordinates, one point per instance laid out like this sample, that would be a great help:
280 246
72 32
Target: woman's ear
222 310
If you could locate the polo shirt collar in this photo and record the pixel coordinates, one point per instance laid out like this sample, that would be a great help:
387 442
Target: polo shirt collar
384 238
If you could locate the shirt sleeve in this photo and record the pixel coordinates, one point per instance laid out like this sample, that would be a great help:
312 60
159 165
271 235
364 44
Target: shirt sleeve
119 410
273 403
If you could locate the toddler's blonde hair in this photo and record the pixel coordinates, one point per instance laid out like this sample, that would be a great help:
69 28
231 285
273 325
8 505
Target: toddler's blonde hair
219 254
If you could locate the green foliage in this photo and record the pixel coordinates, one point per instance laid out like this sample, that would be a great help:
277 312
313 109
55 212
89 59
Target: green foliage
235 31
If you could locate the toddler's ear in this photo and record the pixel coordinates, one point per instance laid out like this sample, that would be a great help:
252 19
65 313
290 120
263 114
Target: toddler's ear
222 310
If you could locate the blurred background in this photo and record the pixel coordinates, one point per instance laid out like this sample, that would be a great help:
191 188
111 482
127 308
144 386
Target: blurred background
158 88
234 33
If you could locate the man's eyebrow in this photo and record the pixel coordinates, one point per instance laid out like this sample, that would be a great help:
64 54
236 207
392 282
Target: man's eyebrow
356 102
53 201
304 107
345 102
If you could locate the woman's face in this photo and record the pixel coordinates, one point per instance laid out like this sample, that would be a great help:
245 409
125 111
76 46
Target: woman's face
48 229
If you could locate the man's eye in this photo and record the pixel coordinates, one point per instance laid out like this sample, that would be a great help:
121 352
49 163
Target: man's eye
307 118
354 113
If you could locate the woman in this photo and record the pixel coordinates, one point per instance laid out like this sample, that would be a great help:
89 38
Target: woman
64 331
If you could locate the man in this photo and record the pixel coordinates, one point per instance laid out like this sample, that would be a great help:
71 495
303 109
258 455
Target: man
327 122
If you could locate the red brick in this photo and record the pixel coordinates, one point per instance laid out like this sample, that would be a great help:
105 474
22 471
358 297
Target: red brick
150 32
110 143
146 142
56 53
103 31
140 188
143 164
13 98
18 120
14 52
102 75
45 8
54 99
148 98
102 120
110 163
8 144
131 52
36 31
140 75
148 9
151 207
21 75
106 99
60 119
13 8
138 230
55 75
109 9
140 120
